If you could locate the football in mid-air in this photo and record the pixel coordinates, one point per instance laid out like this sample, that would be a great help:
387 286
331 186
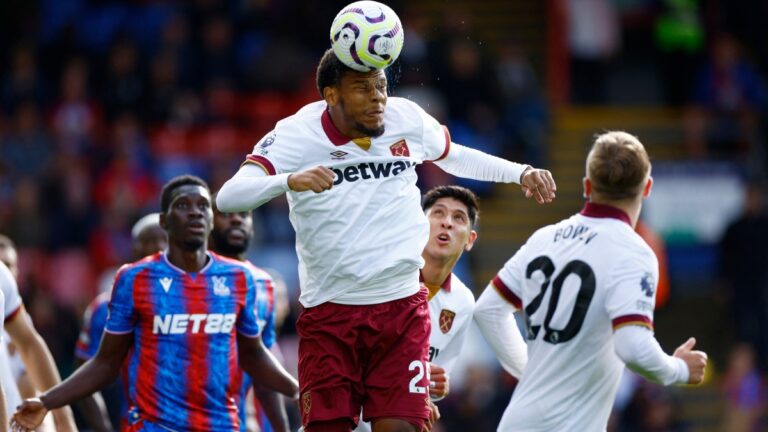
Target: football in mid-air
367 35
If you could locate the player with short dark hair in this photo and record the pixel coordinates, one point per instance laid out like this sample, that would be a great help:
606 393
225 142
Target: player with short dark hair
230 237
587 285
147 238
348 166
187 317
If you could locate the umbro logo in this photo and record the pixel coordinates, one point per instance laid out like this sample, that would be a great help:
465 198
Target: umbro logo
338 154
166 283
220 287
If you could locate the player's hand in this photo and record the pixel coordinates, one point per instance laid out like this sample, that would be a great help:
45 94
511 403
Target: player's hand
316 179
434 415
28 415
696 360
438 382
539 184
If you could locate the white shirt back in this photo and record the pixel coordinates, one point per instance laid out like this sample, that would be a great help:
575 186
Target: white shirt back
596 274
361 241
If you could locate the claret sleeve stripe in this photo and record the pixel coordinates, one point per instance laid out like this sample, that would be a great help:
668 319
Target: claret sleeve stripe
639 320
261 161
506 292
447 144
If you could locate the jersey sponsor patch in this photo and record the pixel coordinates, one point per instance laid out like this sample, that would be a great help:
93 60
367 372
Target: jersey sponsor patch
446 320
193 323
400 148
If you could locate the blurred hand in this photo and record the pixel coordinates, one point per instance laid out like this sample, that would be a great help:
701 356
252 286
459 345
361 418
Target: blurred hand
316 179
696 360
434 415
539 184
438 382
28 415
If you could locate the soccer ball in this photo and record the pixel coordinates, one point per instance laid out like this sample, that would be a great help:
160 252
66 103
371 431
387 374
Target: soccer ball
367 35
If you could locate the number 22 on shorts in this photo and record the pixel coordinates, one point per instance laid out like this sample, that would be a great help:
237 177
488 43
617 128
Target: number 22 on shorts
420 369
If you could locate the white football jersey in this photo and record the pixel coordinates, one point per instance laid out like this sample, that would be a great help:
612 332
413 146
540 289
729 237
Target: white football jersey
577 280
359 242
10 304
450 310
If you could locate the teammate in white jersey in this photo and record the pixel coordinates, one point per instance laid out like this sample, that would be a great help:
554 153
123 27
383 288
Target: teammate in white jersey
3 365
31 346
587 285
347 164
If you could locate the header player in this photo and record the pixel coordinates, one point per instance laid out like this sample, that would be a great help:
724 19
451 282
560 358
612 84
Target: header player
230 237
188 316
587 285
348 165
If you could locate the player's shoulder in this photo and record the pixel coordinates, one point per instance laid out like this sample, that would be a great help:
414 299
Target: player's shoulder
257 272
131 269
222 264
461 293
307 116
402 108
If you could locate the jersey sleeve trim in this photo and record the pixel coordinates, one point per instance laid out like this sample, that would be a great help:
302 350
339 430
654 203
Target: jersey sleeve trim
447 144
13 314
248 334
262 162
638 320
506 293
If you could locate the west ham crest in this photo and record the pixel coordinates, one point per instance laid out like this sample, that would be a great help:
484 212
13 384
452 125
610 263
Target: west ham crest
446 320
400 148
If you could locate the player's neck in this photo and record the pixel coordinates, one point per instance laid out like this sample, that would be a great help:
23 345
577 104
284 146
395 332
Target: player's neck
189 261
435 272
631 207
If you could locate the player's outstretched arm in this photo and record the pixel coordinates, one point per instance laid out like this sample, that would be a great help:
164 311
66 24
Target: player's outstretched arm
93 408
39 362
249 188
473 164
636 346
263 367
495 318
95 374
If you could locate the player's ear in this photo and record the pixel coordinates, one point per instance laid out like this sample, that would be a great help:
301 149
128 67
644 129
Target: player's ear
647 188
587 187
471 241
163 224
331 95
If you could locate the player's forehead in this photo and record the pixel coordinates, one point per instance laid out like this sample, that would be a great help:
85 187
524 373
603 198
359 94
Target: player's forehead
355 77
191 192
8 255
450 204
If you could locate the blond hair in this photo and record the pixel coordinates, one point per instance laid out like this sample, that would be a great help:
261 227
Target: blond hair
617 166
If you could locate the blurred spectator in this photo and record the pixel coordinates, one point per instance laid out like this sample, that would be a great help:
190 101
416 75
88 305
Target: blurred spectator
743 250
27 150
75 117
728 98
23 81
745 392
593 38
123 88
680 38
524 110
